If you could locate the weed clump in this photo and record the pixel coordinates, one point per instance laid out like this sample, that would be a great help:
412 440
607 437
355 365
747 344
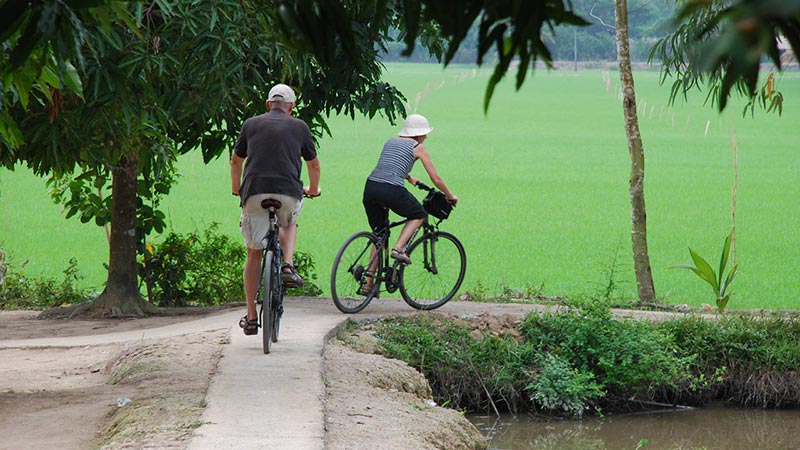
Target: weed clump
20 291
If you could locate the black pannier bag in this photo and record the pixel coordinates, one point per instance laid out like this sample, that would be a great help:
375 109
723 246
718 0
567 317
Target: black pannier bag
436 204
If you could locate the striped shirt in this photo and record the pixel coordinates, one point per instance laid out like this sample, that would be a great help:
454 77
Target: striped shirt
396 161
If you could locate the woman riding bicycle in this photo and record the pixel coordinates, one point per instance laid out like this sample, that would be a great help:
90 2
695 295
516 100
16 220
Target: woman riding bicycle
385 189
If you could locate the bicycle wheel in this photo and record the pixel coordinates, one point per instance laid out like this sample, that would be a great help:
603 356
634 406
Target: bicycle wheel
267 310
351 272
436 272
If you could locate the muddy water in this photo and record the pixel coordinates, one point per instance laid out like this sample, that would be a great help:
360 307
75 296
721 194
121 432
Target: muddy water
706 428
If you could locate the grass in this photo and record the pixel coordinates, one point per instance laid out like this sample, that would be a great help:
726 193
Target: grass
543 182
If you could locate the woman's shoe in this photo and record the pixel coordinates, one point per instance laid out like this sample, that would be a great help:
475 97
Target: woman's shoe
366 289
400 256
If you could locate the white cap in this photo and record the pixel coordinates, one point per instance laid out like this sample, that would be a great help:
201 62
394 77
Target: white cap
281 93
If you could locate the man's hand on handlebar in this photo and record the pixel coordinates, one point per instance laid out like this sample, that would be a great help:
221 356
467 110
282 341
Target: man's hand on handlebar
308 193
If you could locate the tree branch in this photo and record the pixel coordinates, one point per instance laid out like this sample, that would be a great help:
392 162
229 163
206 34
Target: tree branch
591 13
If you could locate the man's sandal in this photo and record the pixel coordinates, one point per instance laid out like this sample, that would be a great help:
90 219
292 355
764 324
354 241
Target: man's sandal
400 256
290 277
249 326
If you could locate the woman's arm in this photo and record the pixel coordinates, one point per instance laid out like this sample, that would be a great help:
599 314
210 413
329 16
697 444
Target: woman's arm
422 154
412 180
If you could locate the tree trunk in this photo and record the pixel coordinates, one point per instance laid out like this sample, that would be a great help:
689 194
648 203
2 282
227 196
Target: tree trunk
641 257
121 296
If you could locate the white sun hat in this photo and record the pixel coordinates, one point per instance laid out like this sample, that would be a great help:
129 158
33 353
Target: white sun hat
415 125
281 93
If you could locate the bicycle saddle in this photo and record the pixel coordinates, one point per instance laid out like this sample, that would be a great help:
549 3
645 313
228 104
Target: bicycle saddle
268 203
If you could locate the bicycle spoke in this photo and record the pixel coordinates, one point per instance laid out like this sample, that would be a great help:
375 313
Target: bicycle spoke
436 272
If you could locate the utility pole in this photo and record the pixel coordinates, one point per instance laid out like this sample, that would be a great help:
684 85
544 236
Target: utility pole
575 47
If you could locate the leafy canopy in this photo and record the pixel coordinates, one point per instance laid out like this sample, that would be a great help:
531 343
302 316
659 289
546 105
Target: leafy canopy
512 28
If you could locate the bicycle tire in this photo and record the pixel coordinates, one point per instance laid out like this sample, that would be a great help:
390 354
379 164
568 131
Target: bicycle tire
277 299
349 272
267 312
438 266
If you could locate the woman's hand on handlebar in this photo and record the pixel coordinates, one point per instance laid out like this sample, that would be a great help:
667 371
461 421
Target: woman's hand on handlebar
453 200
308 193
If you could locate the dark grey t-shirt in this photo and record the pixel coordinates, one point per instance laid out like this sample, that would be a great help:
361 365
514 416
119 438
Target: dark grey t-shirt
273 144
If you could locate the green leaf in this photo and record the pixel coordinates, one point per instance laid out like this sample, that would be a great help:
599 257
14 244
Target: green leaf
683 266
704 270
73 80
9 130
723 261
24 80
729 279
48 76
722 302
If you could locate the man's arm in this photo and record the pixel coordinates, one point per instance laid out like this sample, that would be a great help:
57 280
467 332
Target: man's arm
236 173
312 190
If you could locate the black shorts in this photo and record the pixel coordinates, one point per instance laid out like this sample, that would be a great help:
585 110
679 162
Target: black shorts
379 198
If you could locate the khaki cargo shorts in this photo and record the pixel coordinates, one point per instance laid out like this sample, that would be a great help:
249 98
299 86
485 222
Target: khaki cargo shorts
254 222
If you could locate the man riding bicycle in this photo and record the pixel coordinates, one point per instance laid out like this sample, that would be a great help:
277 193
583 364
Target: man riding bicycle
266 163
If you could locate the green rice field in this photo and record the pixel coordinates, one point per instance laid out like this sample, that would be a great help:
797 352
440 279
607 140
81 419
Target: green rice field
543 187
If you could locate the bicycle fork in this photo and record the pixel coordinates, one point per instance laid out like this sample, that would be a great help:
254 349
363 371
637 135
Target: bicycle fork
429 255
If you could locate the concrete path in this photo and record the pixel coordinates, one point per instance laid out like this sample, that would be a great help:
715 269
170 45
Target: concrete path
274 401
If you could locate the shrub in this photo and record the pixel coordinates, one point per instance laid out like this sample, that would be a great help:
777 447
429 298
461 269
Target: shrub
561 389
193 269
204 270
750 360
462 371
307 269
628 358
19 291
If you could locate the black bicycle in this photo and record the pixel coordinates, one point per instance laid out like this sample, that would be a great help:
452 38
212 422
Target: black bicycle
270 287
437 270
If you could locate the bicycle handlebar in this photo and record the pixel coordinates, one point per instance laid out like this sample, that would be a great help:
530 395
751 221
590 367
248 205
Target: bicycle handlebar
424 186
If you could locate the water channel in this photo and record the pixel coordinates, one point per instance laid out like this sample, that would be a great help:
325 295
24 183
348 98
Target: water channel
710 428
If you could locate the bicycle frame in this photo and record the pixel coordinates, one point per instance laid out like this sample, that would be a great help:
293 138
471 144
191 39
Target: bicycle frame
381 251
